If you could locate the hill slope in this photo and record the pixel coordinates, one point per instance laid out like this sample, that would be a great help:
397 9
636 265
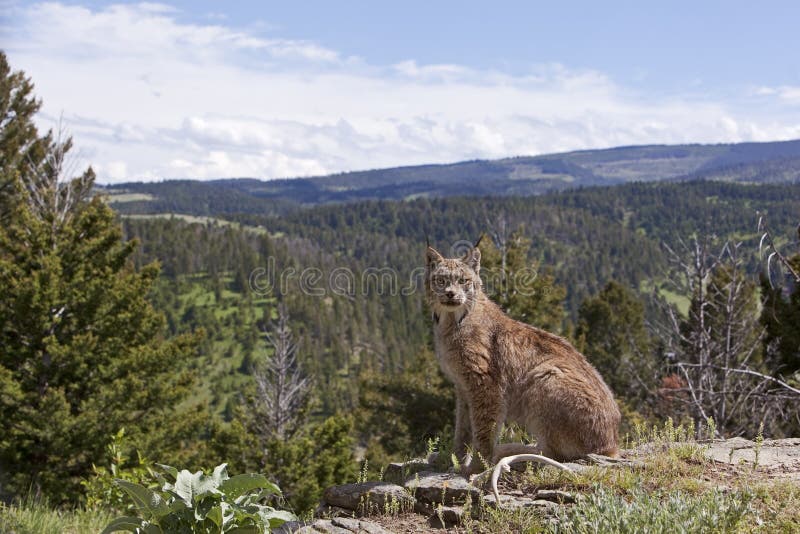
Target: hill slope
775 162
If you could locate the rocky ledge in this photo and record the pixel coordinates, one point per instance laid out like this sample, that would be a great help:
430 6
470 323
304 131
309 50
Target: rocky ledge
444 498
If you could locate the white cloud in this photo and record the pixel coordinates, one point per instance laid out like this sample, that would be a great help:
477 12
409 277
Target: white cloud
788 94
148 96
411 69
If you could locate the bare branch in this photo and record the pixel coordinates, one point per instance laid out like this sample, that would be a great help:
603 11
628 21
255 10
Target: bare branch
762 223
282 390
748 372
713 347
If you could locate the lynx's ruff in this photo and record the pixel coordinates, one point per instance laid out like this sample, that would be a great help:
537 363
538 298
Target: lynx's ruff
507 371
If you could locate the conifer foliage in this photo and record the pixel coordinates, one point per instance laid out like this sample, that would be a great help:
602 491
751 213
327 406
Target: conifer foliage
81 350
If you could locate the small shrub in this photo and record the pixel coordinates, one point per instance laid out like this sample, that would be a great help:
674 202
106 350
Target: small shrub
196 502
101 489
606 511
504 521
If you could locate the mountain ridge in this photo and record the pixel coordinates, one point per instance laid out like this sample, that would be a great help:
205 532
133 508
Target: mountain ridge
751 162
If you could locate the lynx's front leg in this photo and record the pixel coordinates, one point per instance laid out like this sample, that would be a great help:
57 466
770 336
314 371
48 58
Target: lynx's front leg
487 415
463 433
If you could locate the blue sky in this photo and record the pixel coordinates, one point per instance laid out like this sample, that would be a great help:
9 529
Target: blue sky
280 89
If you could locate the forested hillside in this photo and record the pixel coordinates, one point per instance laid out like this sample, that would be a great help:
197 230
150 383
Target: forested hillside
350 326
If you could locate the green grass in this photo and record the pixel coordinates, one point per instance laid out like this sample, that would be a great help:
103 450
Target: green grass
198 220
681 302
36 517
119 198
224 319
778 505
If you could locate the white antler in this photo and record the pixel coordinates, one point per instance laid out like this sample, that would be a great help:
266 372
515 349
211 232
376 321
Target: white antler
505 465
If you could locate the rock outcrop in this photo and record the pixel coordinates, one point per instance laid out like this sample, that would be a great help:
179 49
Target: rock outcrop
447 499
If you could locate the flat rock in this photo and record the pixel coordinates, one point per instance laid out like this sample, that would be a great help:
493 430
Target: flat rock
398 472
445 488
321 525
288 527
442 516
608 461
359 525
339 525
598 460
369 497
780 457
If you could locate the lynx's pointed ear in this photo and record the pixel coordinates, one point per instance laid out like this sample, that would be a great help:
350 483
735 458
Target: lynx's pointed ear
432 257
473 259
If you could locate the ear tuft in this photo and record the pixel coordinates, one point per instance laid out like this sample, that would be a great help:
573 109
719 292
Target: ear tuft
473 259
432 257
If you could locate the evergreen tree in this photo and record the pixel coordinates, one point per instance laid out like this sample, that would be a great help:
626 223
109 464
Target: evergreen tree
21 148
312 461
781 318
519 286
81 349
612 334
399 413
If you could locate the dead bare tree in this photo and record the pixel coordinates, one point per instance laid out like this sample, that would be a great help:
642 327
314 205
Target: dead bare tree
282 390
499 233
52 185
716 348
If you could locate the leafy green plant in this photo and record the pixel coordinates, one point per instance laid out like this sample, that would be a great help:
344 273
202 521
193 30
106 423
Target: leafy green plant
196 502
101 489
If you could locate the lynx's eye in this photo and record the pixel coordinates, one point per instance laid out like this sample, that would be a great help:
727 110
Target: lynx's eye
439 281
462 280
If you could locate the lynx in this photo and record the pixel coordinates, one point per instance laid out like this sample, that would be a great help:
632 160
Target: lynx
508 371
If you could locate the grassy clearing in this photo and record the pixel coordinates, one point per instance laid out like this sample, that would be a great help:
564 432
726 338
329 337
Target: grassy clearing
119 198
198 220
679 301
229 318
36 517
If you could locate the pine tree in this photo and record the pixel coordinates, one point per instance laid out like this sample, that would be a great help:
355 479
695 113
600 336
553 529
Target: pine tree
612 334
519 286
780 316
81 349
21 148
399 413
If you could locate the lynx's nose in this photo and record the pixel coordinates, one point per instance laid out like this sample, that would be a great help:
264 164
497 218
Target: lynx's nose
450 293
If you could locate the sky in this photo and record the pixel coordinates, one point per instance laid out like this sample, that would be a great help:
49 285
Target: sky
210 89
